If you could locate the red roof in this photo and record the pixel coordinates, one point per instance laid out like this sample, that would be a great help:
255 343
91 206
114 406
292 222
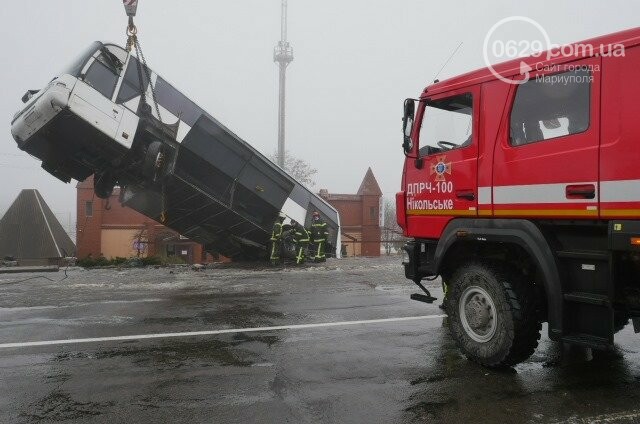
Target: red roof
511 68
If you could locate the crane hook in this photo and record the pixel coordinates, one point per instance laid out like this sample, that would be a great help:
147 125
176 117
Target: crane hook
130 6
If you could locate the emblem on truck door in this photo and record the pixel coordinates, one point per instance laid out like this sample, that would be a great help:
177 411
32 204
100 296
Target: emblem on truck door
440 167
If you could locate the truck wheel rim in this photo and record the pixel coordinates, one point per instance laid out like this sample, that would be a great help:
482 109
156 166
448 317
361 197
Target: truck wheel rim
478 314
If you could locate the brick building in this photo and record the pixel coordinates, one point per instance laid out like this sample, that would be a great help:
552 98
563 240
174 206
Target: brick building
123 232
360 216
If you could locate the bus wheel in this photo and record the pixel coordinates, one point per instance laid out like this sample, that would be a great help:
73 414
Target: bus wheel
492 314
152 161
103 184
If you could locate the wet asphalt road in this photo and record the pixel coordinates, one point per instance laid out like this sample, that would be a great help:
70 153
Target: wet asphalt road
394 372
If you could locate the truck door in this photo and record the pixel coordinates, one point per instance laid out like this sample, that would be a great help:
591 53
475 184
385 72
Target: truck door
619 170
442 183
546 159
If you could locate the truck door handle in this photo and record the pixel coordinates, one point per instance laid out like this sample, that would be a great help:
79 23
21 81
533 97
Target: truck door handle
466 194
581 191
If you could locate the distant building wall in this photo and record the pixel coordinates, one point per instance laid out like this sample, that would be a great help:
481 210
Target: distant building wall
117 231
359 217
118 243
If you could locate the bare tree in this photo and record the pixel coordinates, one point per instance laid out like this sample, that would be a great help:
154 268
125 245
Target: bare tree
392 237
141 241
145 240
299 169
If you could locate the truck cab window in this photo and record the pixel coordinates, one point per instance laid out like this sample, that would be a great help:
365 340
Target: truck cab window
446 124
551 106
102 77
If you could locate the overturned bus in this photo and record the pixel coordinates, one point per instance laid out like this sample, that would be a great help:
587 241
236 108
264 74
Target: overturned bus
109 115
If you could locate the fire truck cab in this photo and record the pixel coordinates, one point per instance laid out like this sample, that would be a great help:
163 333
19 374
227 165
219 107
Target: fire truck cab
521 189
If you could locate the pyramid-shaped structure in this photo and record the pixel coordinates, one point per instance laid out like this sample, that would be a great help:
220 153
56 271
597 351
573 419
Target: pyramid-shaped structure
369 186
29 230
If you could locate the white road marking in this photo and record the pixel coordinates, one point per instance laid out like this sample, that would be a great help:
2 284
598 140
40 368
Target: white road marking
76 305
214 332
630 416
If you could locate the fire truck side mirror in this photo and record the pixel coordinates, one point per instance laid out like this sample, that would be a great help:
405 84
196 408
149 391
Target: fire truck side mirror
407 124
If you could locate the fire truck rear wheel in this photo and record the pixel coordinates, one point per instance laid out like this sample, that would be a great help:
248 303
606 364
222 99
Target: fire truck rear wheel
492 314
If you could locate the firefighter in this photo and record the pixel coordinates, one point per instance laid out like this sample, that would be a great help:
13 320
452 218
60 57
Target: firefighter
319 236
301 237
276 240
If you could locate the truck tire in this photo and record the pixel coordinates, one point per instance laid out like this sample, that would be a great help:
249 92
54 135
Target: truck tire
492 314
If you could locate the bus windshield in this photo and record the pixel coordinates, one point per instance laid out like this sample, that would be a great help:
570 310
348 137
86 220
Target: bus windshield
75 67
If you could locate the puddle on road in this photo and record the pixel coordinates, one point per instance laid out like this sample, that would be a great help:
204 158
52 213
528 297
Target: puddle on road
177 355
241 316
555 383
235 316
58 378
60 406
181 354
432 410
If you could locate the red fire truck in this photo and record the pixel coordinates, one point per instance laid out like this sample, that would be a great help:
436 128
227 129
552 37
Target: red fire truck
521 189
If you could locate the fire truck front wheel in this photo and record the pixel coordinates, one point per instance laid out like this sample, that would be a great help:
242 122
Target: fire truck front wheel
492 314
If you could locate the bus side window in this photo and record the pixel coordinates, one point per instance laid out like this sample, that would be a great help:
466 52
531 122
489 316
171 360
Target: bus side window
130 87
177 103
101 78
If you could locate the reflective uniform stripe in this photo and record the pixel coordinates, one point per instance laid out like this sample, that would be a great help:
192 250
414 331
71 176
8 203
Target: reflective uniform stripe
274 255
300 255
277 231
319 235
276 237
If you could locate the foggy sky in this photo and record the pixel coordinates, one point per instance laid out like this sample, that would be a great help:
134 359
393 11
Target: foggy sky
355 62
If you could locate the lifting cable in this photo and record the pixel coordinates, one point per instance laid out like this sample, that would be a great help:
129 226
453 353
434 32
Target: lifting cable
130 7
133 41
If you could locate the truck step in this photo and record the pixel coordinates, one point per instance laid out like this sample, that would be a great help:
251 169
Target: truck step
587 340
597 255
590 298
423 298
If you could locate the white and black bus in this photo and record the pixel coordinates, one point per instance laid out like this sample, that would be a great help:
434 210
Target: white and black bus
110 116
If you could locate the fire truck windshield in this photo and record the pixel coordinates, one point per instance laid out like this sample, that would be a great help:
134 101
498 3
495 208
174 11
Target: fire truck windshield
446 124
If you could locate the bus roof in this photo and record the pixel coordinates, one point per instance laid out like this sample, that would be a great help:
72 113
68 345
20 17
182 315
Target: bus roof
579 50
